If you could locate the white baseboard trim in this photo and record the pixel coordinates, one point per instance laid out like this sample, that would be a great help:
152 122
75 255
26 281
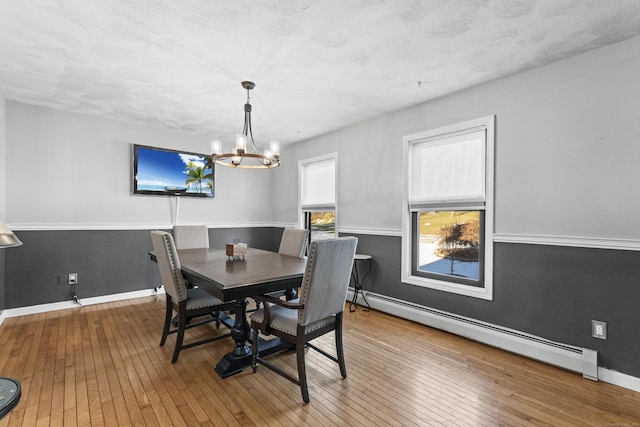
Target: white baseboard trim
63 305
619 379
568 357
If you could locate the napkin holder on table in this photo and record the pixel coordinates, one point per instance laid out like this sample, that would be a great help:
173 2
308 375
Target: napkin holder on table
236 251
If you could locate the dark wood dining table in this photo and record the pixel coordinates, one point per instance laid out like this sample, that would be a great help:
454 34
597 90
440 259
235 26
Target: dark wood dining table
232 279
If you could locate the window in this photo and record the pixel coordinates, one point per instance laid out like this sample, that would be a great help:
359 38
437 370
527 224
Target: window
448 198
317 179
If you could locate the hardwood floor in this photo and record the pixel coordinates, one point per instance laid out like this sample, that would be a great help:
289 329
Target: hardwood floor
102 365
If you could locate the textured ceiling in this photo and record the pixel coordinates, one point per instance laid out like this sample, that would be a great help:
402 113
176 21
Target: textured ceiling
318 65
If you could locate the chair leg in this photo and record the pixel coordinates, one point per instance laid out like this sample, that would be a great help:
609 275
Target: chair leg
254 350
182 322
302 371
167 321
216 316
339 349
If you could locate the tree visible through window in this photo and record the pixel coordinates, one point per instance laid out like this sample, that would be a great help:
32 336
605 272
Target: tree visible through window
450 243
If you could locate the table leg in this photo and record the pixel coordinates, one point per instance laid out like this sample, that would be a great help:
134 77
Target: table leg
235 361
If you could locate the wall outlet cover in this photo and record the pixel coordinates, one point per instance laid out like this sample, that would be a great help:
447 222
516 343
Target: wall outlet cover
599 329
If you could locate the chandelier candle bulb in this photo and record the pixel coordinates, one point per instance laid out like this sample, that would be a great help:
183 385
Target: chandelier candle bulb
235 160
268 156
216 147
275 148
241 143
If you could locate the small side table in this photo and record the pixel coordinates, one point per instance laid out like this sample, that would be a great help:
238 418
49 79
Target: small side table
358 280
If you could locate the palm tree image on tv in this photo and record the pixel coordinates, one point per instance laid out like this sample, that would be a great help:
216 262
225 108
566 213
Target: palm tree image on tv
208 167
195 175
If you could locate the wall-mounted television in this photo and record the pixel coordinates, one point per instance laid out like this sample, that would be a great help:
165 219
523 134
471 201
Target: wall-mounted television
166 172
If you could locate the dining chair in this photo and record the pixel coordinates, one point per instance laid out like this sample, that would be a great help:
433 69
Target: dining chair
188 303
317 312
191 236
294 242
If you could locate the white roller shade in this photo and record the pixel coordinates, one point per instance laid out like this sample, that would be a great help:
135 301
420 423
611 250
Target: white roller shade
319 185
448 170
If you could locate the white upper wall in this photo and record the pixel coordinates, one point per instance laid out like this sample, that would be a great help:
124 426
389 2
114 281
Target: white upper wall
69 170
566 160
3 145
567 151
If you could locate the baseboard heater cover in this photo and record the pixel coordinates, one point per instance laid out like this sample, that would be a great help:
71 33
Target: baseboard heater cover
576 359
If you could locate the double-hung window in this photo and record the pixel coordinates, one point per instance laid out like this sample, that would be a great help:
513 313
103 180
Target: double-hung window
317 178
448 204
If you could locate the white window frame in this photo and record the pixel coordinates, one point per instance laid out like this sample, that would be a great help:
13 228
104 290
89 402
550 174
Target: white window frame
485 292
317 207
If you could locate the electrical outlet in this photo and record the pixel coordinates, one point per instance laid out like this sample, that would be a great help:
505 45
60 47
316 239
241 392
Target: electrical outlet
73 278
62 279
599 329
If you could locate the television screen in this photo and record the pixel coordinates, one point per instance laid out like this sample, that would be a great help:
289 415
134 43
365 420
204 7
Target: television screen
165 172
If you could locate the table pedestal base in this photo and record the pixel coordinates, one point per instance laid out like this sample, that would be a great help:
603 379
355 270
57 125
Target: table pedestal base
231 364
235 361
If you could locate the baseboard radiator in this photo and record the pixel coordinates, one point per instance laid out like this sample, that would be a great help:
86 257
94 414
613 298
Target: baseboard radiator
576 359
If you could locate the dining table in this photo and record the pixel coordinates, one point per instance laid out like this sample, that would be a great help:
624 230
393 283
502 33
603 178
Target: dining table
231 278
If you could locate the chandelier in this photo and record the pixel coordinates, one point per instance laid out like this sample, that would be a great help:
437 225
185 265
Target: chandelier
240 157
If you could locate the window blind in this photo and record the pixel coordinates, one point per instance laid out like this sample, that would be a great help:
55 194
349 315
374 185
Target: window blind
448 169
318 185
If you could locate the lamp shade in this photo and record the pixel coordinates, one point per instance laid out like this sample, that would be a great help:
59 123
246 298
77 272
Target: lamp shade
7 238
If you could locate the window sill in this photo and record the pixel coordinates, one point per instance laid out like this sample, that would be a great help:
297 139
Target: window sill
485 292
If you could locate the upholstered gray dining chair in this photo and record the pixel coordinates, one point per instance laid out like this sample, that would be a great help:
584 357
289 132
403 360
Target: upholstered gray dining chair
317 312
188 303
191 236
294 242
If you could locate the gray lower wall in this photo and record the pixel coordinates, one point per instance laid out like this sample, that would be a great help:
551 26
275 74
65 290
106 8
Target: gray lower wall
107 262
549 291
2 275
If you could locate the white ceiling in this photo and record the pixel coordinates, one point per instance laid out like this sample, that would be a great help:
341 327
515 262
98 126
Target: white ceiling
318 65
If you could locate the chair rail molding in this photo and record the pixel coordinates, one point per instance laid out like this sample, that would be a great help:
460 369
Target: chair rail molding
570 241
100 227
371 231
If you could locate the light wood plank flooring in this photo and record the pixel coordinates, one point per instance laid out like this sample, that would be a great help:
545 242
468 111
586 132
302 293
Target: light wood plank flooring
101 365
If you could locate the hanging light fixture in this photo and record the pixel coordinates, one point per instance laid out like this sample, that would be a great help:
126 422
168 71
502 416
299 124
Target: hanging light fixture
240 157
